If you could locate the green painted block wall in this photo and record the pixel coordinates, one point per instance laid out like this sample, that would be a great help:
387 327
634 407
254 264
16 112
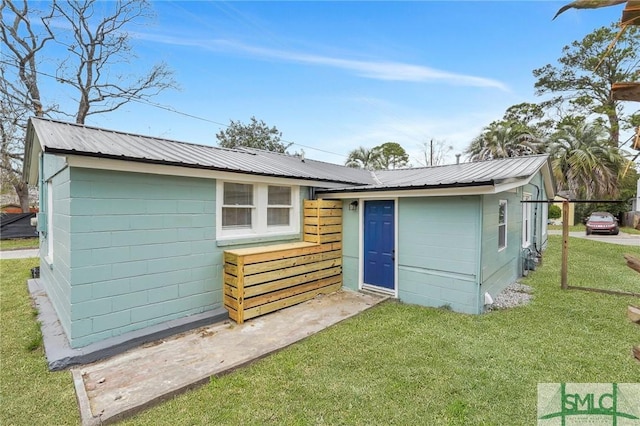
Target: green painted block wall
142 251
501 267
350 246
538 212
55 267
132 250
438 251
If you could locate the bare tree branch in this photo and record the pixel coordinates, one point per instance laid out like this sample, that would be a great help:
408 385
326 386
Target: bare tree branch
94 33
98 47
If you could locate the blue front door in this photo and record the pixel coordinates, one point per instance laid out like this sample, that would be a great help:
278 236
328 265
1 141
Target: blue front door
379 243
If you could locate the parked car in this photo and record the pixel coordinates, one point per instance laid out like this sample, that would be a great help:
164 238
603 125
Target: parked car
602 222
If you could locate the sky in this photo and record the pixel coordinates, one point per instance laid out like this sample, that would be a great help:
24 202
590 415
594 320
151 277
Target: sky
334 76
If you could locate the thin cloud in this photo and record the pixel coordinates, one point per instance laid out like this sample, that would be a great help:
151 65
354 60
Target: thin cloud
377 70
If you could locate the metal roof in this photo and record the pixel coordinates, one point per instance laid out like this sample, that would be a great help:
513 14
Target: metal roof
489 172
75 139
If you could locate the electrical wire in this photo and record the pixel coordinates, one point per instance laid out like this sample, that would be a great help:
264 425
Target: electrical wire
175 111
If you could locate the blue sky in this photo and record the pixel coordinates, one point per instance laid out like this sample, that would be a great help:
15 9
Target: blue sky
333 76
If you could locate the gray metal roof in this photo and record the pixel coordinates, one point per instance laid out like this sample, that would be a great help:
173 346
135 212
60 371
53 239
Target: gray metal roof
67 138
488 172
73 139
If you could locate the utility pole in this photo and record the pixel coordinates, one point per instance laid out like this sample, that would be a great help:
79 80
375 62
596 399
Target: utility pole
431 162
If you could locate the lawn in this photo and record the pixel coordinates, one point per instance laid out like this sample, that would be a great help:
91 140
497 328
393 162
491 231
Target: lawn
393 364
20 243
630 230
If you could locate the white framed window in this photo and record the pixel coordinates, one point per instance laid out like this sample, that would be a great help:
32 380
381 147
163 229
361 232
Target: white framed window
279 206
502 224
526 220
247 210
237 206
50 222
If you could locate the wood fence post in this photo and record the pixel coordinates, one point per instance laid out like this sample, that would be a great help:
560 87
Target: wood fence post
565 244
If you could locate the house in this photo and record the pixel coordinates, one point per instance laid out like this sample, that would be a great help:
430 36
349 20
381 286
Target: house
133 228
558 200
452 236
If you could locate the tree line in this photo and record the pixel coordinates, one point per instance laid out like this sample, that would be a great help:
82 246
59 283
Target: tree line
578 125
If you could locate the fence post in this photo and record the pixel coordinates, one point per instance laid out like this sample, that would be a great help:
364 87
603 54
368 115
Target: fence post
565 244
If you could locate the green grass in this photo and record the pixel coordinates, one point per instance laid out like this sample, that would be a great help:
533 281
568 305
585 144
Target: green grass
30 394
393 364
20 243
601 265
630 230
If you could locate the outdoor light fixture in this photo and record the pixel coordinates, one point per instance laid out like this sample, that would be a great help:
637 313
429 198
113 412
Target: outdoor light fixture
353 205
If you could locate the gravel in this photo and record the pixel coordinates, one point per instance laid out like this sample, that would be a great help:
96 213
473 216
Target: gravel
512 296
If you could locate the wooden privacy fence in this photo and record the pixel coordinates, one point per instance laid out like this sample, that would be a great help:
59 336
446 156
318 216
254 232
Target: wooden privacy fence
259 280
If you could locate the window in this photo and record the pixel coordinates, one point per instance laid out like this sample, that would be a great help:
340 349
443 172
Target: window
502 224
526 221
255 209
279 206
237 208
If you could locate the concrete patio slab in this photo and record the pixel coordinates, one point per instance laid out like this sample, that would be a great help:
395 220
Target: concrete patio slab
120 386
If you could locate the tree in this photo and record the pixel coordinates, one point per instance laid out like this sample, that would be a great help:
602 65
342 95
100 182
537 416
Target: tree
534 116
586 72
435 152
584 163
364 158
97 49
253 135
502 139
555 212
20 93
392 156
97 45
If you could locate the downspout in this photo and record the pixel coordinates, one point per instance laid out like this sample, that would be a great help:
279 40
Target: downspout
535 219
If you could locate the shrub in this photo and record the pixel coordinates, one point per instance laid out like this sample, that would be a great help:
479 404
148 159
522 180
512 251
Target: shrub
554 212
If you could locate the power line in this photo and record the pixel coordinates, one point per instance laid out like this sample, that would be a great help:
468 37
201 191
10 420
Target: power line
175 111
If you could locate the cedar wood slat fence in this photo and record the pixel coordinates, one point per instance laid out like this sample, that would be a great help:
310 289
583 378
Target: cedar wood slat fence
260 280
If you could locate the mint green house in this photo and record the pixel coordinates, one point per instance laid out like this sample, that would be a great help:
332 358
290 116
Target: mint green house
133 228
451 236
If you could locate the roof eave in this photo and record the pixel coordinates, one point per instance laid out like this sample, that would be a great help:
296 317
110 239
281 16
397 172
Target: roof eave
341 192
71 152
32 150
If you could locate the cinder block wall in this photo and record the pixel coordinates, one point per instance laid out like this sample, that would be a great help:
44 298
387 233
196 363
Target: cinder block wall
55 267
143 251
438 255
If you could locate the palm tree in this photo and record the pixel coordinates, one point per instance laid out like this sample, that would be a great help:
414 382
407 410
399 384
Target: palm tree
584 163
364 158
502 139
588 4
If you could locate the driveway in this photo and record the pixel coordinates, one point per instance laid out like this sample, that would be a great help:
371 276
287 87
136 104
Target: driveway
623 238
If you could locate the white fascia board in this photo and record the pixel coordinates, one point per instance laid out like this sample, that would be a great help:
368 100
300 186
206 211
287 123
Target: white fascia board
31 165
548 181
391 192
163 169
511 185
546 178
